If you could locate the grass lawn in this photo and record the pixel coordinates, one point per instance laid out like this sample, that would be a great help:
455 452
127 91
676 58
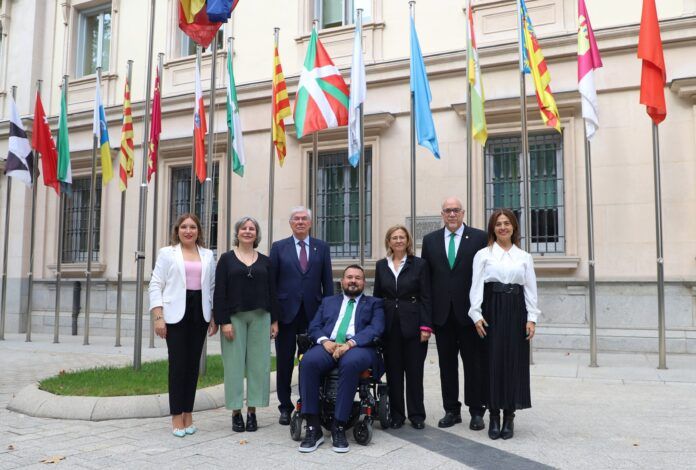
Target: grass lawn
123 381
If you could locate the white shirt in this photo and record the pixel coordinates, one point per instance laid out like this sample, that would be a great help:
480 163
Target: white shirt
351 326
297 246
493 264
457 239
396 269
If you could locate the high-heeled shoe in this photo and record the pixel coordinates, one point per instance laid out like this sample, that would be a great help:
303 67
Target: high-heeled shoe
508 426
494 425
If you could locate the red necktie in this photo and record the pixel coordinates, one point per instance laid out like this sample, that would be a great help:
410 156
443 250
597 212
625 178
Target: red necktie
303 256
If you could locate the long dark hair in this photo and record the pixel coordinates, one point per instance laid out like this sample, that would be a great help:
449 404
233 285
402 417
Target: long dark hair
175 231
513 220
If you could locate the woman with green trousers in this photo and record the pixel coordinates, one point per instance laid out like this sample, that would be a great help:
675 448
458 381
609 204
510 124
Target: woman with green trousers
246 308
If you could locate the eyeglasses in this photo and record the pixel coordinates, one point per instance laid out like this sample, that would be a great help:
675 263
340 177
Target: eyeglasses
451 210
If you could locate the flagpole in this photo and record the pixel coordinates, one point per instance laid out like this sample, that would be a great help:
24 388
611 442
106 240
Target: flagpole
160 67
142 210
660 255
526 214
469 144
230 170
271 168
61 237
3 312
362 164
412 12
590 251
32 236
192 197
315 166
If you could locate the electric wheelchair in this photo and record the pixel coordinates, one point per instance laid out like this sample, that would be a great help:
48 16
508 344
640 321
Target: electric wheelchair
372 402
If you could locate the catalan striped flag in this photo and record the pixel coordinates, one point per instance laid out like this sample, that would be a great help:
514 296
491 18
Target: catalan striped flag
127 147
479 129
280 106
535 65
155 129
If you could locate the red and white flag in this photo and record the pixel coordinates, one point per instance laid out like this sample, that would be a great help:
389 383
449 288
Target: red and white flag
588 61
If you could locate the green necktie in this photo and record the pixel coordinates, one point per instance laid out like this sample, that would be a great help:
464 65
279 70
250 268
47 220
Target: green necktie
343 327
452 250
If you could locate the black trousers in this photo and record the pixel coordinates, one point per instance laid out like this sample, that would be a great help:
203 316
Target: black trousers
286 346
405 357
184 346
454 339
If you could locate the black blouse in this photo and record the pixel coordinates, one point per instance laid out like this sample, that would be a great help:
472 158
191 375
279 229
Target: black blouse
240 288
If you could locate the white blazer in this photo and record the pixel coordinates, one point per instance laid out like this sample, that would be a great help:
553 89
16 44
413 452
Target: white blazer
167 287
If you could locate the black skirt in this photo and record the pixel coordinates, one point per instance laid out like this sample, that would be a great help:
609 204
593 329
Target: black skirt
508 348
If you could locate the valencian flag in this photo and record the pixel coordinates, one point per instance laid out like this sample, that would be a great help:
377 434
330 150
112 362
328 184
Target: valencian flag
64 167
20 160
101 133
194 21
322 95
126 160
280 107
425 127
42 141
358 90
199 129
479 130
654 73
234 123
535 65
588 61
155 129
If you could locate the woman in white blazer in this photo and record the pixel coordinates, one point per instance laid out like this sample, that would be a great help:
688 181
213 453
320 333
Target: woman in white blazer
181 298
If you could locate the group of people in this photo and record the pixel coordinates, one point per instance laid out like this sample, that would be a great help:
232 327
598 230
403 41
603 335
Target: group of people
474 290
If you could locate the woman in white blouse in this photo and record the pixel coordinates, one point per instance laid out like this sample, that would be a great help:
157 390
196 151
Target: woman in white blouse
504 309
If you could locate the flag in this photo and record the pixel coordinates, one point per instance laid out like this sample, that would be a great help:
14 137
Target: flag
280 107
588 61
220 10
322 95
156 129
654 73
42 141
425 128
358 90
101 133
479 130
535 65
194 22
64 167
126 159
234 124
20 160
199 129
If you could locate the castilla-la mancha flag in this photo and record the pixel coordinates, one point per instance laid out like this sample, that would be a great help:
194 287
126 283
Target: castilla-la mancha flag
588 61
322 95
654 73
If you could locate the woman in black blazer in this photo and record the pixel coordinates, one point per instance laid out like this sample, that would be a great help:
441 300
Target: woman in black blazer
403 281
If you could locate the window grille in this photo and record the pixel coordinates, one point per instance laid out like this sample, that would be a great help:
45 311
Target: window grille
75 219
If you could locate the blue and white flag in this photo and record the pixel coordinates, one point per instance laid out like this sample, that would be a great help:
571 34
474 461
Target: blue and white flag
20 159
358 90
425 128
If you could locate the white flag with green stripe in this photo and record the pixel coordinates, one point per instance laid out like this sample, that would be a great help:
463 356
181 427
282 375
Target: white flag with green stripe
234 123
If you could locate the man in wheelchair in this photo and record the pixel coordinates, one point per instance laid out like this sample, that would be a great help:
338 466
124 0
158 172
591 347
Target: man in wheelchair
342 333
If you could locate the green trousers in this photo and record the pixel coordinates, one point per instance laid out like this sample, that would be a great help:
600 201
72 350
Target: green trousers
249 353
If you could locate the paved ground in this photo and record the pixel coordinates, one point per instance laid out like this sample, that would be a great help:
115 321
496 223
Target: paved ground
624 414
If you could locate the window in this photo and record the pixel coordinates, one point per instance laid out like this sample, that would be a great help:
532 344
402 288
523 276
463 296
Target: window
187 46
93 40
337 204
75 216
180 199
331 13
504 186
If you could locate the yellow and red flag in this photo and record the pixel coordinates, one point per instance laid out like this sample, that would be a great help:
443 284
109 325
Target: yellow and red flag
535 65
126 155
280 106
199 129
155 129
654 72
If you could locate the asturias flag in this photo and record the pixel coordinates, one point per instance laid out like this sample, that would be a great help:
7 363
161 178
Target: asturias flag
588 61
101 133
322 94
425 128
654 73
199 129
42 141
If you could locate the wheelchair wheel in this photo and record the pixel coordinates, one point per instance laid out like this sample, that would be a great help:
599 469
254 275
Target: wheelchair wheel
362 432
383 408
296 426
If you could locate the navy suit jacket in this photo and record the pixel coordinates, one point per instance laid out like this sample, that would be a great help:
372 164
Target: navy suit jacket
293 287
369 319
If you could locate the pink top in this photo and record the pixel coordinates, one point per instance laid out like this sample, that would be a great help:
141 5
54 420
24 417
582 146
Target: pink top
193 275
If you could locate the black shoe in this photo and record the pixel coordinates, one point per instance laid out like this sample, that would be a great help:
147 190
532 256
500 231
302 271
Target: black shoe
338 438
476 423
251 425
313 439
396 423
417 424
284 418
494 426
508 427
449 420
238 423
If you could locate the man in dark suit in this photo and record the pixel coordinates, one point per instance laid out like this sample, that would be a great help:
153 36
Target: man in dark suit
302 270
343 331
450 252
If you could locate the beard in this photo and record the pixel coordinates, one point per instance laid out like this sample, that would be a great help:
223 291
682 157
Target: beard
352 290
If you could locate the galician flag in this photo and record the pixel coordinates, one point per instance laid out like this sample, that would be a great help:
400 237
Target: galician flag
234 124
478 115
64 167
588 61
358 90
199 129
322 95
101 133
